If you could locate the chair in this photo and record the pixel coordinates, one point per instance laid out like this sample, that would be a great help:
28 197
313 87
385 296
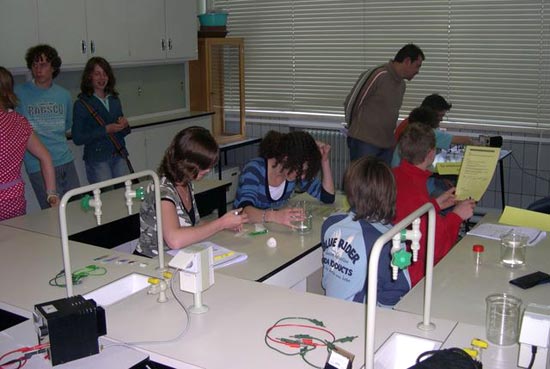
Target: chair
541 205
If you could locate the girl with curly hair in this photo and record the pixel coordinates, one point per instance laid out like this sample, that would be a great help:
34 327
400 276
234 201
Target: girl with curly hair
286 161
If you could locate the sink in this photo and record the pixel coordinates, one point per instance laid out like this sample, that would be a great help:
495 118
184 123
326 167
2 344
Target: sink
119 289
400 351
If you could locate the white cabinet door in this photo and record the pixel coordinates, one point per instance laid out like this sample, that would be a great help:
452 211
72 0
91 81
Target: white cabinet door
18 31
181 29
146 30
62 24
107 25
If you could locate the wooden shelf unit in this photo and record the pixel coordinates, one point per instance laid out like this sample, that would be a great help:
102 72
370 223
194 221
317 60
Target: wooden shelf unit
216 83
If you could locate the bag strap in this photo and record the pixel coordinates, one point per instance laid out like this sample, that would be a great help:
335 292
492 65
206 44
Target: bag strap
121 150
351 99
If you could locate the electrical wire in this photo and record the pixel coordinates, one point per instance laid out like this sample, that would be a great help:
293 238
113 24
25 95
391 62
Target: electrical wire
303 343
533 356
177 338
78 275
527 173
27 352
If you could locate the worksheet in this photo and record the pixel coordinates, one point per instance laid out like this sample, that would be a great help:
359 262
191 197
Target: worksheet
476 171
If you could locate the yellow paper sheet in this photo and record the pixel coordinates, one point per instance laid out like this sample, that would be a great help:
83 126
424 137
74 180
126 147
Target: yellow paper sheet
448 168
525 218
476 171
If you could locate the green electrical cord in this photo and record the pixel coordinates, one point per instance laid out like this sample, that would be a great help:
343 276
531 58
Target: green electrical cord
78 275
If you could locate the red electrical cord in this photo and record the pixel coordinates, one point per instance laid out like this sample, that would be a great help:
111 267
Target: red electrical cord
27 353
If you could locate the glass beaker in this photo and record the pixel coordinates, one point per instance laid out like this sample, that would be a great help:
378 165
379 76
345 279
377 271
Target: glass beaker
502 319
303 226
512 249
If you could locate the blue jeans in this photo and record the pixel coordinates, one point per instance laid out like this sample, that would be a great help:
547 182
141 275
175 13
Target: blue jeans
104 170
66 179
358 149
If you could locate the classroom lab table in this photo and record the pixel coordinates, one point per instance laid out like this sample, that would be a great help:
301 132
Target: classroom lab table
230 334
289 263
113 208
460 287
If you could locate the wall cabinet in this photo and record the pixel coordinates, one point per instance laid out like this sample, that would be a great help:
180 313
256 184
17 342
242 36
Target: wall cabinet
216 83
122 31
80 29
18 30
181 29
161 30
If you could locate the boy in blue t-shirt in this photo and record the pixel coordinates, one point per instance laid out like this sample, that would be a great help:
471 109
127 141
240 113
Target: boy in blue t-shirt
347 238
48 107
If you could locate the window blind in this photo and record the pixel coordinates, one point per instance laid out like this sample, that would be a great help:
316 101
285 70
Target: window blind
490 58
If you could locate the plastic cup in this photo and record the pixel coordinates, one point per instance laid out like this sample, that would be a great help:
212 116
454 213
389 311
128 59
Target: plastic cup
513 249
502 319
303 226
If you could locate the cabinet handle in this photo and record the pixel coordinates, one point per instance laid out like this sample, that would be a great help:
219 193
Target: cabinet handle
92 46
169 44
83 46
163 44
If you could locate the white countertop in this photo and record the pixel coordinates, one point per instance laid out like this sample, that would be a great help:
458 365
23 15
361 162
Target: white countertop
460 288
113 208
232 333
164 116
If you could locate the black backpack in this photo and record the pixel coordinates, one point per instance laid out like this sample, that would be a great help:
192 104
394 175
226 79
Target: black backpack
451 358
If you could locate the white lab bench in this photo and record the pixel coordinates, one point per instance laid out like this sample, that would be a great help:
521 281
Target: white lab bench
460 287
232 333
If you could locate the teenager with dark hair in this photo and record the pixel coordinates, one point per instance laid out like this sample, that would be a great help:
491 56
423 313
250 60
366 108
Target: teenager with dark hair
348 238
191 155
286 160
440 108
49 109
98 96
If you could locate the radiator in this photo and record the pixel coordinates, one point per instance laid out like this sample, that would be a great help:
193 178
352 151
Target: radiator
339 153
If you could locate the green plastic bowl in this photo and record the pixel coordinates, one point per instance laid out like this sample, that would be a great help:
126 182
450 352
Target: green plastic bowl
213 19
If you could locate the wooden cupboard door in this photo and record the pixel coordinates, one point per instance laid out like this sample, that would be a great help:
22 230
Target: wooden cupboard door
226 85
216 83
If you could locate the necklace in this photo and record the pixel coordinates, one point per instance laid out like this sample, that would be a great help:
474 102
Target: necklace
185 195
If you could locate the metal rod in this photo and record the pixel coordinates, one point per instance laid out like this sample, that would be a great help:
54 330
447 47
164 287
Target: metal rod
370 319
84 189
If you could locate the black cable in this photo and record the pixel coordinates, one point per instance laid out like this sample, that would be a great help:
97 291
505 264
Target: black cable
533 356
527 173
18 361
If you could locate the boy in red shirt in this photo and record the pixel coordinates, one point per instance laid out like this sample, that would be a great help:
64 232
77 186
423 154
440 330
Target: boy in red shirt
417 149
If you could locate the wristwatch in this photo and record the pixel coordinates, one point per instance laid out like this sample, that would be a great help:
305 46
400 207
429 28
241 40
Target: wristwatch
51 195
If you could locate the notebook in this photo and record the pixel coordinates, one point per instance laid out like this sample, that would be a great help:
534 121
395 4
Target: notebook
222 256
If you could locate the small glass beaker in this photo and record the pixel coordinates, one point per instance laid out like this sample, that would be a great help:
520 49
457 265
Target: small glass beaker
512 249
502 319
304 225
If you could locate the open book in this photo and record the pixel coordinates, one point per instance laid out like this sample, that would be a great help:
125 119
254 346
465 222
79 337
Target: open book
496 231
222 256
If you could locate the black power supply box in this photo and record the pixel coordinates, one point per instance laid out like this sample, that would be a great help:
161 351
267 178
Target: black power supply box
71 326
